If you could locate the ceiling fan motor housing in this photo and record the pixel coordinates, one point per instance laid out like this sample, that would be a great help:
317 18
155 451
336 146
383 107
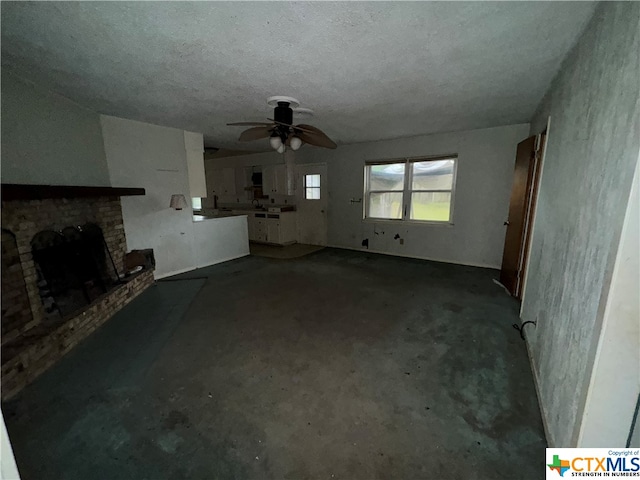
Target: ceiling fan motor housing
283 114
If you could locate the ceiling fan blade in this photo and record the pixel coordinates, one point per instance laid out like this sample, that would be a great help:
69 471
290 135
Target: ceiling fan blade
249 124
255 133
314 136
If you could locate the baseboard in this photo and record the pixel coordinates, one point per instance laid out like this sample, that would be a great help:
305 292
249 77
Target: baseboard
536 383
417 257
190 269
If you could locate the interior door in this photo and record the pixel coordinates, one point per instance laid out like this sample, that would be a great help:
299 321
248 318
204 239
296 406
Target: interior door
311 193
520 208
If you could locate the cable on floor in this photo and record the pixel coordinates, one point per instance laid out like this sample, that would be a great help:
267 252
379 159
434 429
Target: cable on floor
520 328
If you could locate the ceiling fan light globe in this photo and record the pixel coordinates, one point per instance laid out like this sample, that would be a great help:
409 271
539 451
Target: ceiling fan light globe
276 142
295 143
281 148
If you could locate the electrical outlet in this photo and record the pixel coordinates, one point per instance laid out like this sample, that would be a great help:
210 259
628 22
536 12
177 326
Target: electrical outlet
402 241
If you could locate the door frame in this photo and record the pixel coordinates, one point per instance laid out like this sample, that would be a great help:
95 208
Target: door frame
531 216
529 201
532 201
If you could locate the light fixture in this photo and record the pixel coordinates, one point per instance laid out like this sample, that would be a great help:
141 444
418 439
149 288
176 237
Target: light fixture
178 202
275 141
295 143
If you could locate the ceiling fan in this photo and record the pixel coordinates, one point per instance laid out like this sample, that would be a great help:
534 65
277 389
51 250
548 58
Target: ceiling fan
281 131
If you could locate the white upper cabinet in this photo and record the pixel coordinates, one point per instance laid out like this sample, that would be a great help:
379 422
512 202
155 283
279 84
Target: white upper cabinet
224 181
194 146
274 180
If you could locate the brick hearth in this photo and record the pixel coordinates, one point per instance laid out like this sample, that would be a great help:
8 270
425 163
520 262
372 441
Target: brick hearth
31 340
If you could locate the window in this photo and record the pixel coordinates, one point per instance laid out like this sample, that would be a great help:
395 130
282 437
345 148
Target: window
196 203
312 187
413 189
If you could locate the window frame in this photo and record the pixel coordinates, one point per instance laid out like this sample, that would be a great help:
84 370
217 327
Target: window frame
407 191
318 188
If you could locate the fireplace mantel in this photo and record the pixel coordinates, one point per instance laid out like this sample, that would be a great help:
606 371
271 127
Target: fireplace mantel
15 191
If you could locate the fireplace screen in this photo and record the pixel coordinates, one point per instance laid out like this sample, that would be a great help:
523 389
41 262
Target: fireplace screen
72 268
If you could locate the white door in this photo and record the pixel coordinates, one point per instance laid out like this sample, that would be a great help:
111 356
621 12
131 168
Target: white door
311 193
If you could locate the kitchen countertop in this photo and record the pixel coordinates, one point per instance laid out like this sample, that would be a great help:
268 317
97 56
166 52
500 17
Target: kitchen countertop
235 212
202 218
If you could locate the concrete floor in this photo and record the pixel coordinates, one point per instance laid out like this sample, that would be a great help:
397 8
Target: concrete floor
336 365
283 252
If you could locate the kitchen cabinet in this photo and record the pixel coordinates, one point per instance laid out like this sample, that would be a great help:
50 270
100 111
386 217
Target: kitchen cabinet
224 181
259 228
274 180
275 228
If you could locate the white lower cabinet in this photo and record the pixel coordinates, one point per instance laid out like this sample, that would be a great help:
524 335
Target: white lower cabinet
276 228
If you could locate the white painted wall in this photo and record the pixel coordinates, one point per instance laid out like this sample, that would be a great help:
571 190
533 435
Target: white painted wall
615 381
48 139
591 154
154 157
486 159
218 240
194 145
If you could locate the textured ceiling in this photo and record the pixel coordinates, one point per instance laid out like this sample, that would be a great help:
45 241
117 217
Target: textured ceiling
370 71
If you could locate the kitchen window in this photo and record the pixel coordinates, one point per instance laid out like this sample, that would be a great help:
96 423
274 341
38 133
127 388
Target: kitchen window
196 204
312 187
411 189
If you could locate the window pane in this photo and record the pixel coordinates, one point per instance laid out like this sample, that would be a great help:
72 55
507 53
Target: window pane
196 203
433 175
386 177
312 193
385 205
312 180
432 206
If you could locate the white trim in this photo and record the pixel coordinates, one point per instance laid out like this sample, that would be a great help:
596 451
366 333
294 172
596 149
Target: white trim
536 383
8 467
407 191
419 223
430 259
533 211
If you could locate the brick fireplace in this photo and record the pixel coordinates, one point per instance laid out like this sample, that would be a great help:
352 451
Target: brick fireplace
45 311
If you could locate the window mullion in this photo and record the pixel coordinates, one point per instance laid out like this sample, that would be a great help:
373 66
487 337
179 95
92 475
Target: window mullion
406 196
